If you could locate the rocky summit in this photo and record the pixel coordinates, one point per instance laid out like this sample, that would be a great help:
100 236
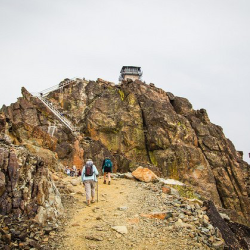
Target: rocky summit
154 134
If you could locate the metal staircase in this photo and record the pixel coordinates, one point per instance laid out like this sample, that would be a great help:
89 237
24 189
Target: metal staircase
42 97
60 117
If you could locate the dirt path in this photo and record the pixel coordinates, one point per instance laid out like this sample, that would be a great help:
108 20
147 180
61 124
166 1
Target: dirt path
121 204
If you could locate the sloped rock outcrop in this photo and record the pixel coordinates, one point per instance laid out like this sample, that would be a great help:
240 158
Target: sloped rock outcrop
219 223
27 123
137 125
26 188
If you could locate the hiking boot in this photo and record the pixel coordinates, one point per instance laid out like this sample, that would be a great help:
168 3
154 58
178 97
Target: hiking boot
109 183
104 182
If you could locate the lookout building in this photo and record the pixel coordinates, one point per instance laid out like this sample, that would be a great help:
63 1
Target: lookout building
131 72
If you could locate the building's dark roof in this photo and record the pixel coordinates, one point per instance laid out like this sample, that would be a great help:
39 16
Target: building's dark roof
131 67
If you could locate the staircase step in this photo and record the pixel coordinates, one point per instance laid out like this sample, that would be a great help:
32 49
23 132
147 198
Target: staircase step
57 113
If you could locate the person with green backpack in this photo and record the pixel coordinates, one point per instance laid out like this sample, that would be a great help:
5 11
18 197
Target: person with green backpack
107 169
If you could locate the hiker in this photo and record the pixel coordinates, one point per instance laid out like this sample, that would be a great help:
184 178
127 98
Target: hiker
74 171
67 170
106 169
89 177
79 172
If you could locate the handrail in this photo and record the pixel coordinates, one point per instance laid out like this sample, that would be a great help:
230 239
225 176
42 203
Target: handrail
56 87
58 114
48 90
62 84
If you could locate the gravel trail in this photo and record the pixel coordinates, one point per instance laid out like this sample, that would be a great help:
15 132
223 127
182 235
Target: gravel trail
121 205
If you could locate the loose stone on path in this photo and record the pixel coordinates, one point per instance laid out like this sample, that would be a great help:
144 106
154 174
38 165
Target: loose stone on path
121 229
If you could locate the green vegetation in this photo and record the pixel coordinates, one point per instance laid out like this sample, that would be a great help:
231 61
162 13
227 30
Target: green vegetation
122 95
172 169
186 191
152 158
131 99
181 125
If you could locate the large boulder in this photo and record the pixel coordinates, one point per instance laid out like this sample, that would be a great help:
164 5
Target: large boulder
144 174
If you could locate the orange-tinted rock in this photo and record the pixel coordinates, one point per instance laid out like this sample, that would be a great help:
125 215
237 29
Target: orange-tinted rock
133 220
144 174
54 177
78 155
166 190
160 216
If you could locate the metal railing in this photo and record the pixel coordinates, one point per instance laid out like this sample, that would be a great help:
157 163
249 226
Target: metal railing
62 84
64 120
56 87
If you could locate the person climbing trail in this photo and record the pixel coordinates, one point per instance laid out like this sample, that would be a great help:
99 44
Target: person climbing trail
107 169
89 177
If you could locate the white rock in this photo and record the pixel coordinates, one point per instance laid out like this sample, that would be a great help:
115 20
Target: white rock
195 201
180 223
120 229
171 182
129 176
224 216
122 208
41 215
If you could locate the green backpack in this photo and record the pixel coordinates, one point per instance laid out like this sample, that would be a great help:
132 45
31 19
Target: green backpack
108 163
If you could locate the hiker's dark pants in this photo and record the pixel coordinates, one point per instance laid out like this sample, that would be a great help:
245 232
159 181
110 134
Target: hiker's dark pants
89 189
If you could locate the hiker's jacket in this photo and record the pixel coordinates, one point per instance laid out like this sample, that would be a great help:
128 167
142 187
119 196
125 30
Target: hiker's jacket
93 177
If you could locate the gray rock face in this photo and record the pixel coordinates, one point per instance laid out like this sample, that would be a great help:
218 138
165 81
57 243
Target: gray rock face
2 183
26 188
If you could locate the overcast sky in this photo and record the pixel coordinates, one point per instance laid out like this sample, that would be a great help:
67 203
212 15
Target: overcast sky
198 49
